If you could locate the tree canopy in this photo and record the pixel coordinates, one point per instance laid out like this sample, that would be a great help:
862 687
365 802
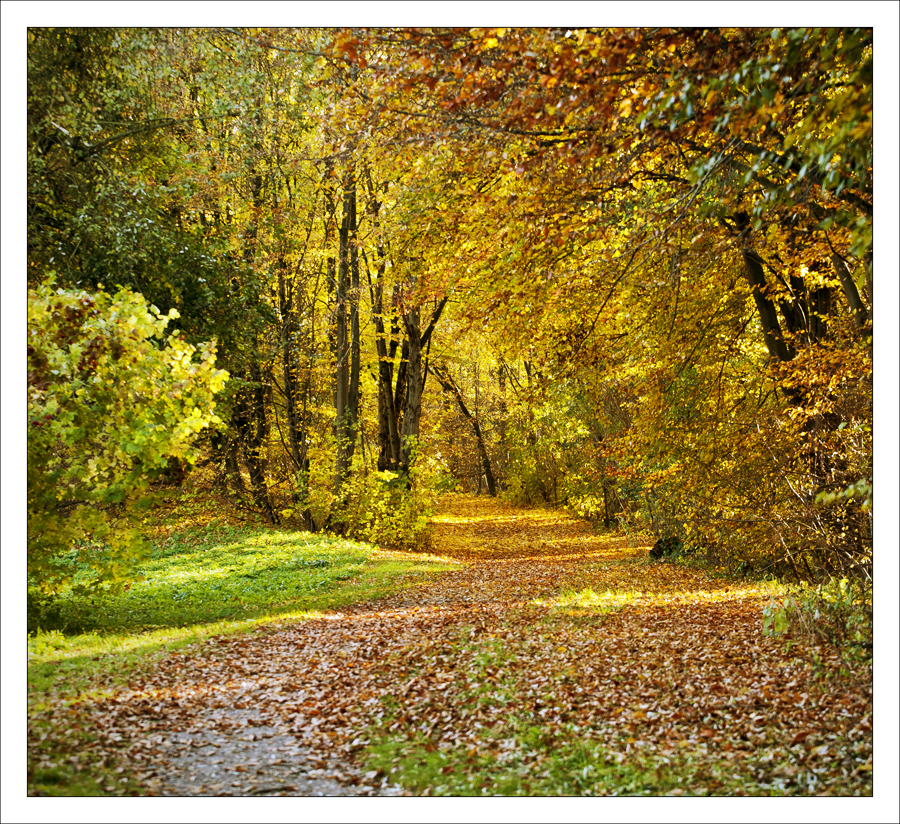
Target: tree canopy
626 271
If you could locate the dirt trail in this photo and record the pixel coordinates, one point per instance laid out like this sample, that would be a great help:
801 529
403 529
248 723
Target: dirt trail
680 660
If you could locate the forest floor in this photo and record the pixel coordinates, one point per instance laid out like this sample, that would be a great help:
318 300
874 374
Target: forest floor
558 660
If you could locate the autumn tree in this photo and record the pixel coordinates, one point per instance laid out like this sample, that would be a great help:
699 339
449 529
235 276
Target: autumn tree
621 178
656 243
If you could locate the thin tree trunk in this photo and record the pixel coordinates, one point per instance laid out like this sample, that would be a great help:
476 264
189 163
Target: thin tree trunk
854 301
342 410
251 420
415 378
413 387
285 299
354 294
449 385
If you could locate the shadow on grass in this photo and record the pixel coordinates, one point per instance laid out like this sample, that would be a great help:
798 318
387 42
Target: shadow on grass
203 582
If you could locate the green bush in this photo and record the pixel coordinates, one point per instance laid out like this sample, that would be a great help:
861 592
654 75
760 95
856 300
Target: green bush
382 510
838 612
110 403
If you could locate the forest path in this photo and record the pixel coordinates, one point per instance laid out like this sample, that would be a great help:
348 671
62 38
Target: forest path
549 623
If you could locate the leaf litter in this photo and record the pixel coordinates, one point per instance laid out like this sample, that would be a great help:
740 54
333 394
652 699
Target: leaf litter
535 629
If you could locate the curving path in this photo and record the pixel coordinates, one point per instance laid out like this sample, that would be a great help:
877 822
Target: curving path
650 657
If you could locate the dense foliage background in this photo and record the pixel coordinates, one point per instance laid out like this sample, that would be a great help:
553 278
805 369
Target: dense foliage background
628 272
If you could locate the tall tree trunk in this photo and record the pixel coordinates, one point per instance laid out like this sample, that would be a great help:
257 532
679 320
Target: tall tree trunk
346 396
413 388
400 392
354 295
297 421
388 432
415 378
501 424
389 413
288 358
250 410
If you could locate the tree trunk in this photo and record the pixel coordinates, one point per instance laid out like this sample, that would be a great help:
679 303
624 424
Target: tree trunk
854 301
388 431
415 378
449 385
226 447
249 420
353 394
250 410
772 334
396 431
285 300
413 388
389 409
346 396
501 425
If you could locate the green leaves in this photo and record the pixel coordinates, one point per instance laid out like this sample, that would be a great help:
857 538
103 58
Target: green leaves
109 405
861 490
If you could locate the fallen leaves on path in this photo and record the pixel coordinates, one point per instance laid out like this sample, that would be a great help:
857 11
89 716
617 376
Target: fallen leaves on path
677 663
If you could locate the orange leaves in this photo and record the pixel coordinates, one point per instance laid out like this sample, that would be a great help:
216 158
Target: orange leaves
682 669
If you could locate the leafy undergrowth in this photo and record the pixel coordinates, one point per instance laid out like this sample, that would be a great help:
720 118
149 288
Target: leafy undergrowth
557 662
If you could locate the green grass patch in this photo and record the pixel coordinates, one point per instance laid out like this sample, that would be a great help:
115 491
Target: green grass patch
196 583
211 574
208 581
587 602
221 572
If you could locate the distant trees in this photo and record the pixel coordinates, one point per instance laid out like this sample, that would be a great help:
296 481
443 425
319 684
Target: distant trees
632 269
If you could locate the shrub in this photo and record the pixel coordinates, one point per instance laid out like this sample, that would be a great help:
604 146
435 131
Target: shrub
838 612
109 405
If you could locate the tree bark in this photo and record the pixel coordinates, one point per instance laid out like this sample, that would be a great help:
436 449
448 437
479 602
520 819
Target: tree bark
400 388
449 385
346 396
250 410
388 422
854 301
249 419
285 300
413 387
389 407
768 316
415 378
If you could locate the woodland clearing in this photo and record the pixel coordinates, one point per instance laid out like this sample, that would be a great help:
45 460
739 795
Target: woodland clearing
558 660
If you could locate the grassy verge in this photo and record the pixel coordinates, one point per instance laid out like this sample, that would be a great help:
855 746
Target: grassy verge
524 758
198 582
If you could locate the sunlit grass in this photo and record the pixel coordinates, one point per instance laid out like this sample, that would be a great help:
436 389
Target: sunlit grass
600 601
206 581
587 600
211 574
